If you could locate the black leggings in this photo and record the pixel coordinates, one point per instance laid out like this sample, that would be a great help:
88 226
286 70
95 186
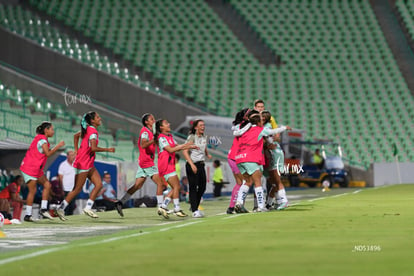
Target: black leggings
196 184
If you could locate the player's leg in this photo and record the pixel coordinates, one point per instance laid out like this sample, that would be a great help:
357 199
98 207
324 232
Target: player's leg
258 189
31 185
244 189
45 196
80 179
175 185
95 178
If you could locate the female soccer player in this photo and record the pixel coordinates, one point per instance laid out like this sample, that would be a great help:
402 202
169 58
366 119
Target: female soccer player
276 159
146 166
240 118
250 159
32 168
84 163
166 162
195 167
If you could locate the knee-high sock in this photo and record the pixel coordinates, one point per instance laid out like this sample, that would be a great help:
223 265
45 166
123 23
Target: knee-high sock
241 196
234 193
260 196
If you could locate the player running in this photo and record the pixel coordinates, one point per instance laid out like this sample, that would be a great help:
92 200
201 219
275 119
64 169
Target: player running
33 165
146 166
84 163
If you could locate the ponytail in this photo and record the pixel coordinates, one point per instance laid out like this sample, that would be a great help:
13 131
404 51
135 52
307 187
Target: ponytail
41 128
158 124
86 120
246 118
240 116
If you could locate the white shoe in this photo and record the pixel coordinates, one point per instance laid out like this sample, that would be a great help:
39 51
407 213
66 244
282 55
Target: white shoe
61 214
15 221
45 214
90 213
163 212
198 214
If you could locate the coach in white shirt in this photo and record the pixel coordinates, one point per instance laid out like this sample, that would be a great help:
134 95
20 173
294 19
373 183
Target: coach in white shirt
66 174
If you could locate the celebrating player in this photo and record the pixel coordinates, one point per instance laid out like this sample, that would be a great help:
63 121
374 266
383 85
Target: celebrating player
146 166
84 163
250 159
275 160
166 163
32 168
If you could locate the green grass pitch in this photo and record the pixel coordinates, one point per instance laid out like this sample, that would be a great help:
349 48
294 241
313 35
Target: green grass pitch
346 232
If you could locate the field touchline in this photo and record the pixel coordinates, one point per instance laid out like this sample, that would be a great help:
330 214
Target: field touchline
60 248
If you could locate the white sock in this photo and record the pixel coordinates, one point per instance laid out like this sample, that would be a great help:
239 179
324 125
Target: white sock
160 199
43 205
176 204
281 196
125 198
167 201
260 196
28 210
241 196
89 204
64 205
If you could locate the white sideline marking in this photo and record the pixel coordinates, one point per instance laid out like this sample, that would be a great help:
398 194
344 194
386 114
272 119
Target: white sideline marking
340 195
179 226
31 255
357 191
46 251
319 198
232 216
50 250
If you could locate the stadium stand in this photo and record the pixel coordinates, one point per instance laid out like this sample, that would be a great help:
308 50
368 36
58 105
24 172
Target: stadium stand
339 81
21 112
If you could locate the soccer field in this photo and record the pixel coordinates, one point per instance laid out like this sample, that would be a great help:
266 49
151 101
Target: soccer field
345 231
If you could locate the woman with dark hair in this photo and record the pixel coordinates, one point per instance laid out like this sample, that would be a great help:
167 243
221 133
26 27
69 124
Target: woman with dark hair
167 147
33 165
146 166
195 167
275 160
250 159
231 159
84 163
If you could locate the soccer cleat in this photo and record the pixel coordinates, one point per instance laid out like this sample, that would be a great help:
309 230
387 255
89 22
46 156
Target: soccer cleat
240 209
118 206
230 210
282 206
90 213
61 214
163 212
180 213
45 214
198 214
15 221
28 218
255 209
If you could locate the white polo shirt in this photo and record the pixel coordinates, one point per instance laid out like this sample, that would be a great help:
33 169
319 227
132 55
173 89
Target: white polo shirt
68 173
